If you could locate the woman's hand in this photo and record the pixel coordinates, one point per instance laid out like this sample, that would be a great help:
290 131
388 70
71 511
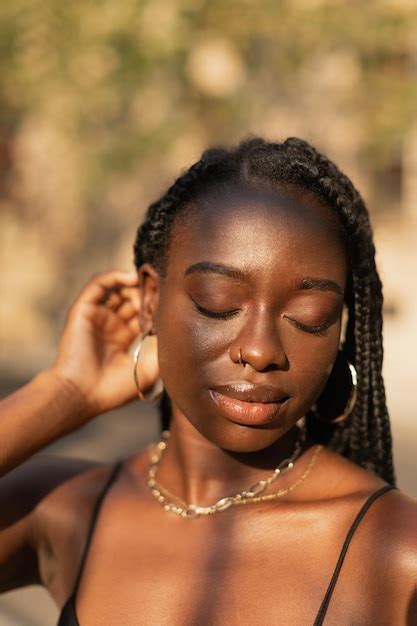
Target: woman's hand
93 351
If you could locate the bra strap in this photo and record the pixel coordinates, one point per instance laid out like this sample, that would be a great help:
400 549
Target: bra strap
93 520
326 600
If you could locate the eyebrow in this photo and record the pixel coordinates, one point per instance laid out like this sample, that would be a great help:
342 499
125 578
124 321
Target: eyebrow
216 268
320 284
308 283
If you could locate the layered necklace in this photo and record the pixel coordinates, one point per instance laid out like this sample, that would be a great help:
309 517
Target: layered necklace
175 504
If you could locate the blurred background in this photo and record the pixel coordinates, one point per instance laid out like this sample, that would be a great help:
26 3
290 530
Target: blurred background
103 104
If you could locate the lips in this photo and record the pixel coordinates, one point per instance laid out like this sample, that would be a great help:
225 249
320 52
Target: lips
249 392
249 405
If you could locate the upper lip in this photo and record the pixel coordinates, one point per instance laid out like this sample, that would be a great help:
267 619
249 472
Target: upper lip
249 392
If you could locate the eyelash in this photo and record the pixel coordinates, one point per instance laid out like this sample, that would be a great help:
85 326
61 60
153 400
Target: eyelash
219 316
319 331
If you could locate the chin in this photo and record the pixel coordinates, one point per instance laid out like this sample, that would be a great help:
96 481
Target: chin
238 438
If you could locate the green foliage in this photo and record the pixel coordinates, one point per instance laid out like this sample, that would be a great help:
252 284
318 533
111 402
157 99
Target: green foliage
103 103
116 76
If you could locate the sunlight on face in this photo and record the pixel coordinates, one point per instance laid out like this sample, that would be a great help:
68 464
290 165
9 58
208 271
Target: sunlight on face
262 276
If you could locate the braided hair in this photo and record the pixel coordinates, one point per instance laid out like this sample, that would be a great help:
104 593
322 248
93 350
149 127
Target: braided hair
365 437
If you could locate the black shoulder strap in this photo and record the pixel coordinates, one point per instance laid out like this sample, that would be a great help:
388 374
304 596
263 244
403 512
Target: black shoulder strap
93 520
326 600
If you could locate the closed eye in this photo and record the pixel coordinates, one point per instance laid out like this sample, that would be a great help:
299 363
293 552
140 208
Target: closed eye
321 330
220 315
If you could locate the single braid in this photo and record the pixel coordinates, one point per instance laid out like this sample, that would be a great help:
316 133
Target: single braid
366 437
382 435
359 438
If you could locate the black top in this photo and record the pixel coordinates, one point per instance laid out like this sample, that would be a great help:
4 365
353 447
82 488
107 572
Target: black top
68 615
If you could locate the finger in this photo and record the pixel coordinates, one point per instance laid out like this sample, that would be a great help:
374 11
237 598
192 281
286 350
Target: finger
132 294
119 296
96 290
127 310
112 300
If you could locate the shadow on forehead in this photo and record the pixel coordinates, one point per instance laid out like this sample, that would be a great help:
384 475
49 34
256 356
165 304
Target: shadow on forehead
212 219
244 194
226 200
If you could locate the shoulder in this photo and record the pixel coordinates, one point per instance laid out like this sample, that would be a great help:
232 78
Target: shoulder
61 521
392 517
30 510
387 534
68 505
395 521
390 538
63 492
384 549
70 500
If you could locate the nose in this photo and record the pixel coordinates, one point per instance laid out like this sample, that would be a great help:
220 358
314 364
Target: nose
259 343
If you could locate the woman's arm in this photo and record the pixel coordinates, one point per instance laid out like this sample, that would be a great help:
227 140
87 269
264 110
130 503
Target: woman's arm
92 373
46 408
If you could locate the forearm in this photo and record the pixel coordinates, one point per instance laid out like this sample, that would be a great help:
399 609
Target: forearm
43 410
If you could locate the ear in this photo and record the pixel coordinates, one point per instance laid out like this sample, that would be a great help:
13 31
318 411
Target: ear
149 289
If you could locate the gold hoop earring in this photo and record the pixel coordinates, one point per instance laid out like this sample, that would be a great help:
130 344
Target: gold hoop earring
349 405
158 386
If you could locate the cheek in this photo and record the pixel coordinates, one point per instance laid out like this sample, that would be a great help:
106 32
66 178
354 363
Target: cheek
311 361
187 346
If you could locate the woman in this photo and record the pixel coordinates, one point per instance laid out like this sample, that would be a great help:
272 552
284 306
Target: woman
276 481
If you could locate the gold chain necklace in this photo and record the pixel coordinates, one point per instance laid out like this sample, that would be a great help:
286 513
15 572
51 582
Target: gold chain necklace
171 502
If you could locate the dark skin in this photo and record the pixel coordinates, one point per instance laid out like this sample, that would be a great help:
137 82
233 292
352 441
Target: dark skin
267 563
198 352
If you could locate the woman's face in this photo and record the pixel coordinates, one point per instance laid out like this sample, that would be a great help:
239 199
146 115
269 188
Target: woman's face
263 276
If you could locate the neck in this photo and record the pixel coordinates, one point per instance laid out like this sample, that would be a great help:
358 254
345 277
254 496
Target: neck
198 471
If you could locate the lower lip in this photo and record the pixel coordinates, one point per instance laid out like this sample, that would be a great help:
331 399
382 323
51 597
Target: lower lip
247 413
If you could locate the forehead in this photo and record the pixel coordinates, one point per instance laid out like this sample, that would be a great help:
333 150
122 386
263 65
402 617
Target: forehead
261 233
